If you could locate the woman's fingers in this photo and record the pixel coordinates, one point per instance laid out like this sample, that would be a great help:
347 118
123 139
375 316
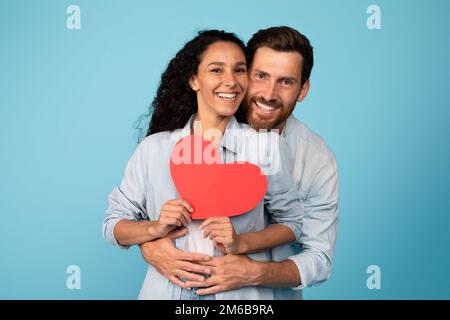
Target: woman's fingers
165 219
182 202
178 215
224 228
179 210
223 240
212 234
215 220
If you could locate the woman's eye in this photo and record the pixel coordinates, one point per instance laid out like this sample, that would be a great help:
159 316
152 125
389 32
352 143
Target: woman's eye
241 70
217 70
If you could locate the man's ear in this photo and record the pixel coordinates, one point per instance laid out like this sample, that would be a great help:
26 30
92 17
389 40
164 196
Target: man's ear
193 83
304 91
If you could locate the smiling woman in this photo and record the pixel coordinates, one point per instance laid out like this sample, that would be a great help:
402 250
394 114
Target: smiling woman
176 99
221 81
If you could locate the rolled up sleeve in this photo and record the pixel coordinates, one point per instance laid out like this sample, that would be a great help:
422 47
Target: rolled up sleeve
127 201
320 227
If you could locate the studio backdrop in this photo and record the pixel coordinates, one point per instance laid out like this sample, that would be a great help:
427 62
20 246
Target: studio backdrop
75 76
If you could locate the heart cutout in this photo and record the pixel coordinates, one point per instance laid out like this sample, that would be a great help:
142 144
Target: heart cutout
211 187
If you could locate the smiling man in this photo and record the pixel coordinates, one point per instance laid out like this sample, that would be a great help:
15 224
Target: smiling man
280 60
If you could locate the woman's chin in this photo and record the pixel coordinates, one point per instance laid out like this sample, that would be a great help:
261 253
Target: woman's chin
227 111
227 114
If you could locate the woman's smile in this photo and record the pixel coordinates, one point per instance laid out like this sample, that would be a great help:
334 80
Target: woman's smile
227 96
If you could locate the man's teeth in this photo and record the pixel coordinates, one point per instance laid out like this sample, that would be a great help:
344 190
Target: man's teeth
264 106
230 96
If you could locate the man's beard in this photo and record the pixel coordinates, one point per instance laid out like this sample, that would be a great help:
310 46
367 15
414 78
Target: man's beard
261 124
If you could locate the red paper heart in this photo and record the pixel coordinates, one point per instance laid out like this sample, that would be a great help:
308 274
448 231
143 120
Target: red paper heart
211 187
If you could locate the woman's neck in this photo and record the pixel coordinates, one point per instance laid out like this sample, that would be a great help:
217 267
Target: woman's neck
211 127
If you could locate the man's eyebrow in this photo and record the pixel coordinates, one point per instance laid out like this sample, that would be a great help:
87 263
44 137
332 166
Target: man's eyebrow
261 71
288 79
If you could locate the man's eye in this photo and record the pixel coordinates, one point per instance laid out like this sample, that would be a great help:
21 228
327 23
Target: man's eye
216 70
259 75
286 82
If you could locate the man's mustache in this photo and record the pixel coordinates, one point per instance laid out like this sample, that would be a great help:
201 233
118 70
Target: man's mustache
271 103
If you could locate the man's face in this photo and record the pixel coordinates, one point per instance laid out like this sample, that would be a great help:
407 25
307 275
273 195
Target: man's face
274 88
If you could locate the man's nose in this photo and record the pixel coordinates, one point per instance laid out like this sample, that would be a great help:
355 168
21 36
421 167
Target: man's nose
270 92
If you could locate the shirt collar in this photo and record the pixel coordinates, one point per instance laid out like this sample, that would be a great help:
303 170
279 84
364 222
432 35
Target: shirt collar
287 126
231 140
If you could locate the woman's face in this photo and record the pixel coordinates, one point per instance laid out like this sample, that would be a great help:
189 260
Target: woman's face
221 79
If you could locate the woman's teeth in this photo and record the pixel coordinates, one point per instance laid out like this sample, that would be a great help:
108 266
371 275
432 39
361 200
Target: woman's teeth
264 106
229 96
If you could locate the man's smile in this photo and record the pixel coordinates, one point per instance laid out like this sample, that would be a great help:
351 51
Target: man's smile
265 108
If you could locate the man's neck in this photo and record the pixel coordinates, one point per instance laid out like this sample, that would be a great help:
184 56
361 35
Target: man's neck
281 127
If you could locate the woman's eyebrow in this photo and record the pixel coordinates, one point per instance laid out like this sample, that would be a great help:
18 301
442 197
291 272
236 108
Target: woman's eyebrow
219 63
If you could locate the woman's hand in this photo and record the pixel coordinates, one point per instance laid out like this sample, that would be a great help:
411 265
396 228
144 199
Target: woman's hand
221 231
174 213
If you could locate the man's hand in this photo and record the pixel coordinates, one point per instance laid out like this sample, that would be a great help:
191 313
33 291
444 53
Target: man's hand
173 263
228 272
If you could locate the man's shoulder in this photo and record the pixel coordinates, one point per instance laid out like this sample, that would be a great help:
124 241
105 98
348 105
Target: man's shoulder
306 140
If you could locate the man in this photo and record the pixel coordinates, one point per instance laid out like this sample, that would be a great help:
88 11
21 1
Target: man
280 61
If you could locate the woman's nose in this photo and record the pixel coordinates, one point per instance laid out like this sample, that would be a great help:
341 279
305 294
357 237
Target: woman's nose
229 80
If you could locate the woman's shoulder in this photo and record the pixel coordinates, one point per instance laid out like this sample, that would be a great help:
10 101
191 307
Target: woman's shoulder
160 140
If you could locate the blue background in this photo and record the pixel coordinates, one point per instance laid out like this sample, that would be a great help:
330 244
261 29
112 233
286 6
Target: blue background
69 100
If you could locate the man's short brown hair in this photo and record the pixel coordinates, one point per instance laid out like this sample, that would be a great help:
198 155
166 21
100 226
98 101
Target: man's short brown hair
283 39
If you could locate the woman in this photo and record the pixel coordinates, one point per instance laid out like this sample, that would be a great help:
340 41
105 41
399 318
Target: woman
200 91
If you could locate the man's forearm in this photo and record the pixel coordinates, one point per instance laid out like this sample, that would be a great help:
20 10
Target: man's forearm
276 274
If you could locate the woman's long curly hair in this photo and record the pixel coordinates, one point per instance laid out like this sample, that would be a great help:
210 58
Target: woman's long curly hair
175 100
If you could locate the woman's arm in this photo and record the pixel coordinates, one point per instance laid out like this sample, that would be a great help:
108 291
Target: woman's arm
220 230
174 213
272 236
128 233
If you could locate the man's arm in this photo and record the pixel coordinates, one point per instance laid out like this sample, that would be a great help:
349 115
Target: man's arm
173 263
312 265
277 274
319 232
236 271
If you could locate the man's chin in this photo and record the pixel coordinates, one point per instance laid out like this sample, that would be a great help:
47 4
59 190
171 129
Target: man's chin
261 124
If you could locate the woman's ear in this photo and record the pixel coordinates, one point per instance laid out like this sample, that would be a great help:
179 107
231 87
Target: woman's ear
193 83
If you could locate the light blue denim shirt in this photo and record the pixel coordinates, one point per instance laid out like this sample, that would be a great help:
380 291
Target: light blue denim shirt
147 185
315 173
